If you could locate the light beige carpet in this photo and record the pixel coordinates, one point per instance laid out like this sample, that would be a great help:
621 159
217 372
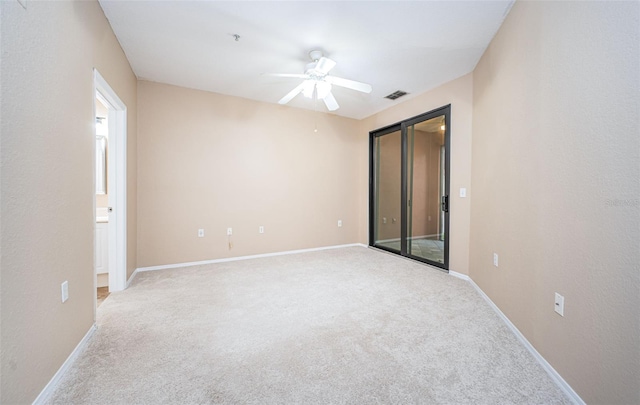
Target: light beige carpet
341 326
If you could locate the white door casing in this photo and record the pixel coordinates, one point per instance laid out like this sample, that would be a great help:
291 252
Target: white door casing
116 183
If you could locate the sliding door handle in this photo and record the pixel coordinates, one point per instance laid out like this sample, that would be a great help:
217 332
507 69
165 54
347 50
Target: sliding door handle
445 203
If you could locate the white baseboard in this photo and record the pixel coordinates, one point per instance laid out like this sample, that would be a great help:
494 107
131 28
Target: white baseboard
555 376
459 275
133 275
53 383
233 259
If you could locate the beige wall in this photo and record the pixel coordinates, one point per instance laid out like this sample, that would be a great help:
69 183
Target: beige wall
49 51
555 187
212 161
459 94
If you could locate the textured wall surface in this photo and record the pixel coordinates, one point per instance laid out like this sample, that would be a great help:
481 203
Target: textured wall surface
208 161
556 163
49 51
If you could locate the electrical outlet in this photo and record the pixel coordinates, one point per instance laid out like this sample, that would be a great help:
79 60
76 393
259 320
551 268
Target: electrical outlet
64 287
229 231
384 220
339 223
559 304
261 229
200 233
495 259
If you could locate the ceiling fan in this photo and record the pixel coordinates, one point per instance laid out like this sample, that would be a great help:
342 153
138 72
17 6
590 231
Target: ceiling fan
317 82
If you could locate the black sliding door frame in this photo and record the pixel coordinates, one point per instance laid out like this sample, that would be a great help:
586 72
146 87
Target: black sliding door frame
373 175
403 127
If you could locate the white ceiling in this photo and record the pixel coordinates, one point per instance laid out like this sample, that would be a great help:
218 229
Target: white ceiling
393 45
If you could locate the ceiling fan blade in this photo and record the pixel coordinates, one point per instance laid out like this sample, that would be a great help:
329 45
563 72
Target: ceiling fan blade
349 84
291 94
324 65
330 102
294 75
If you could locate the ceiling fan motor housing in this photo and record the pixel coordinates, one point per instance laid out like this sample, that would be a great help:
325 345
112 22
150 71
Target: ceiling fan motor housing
315 55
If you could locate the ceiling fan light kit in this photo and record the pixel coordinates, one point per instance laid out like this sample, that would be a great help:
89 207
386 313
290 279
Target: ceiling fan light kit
323 89
318 82
307 88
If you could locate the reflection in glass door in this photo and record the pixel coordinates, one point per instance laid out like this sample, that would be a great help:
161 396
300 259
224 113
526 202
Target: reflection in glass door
425 216
409 193
388 149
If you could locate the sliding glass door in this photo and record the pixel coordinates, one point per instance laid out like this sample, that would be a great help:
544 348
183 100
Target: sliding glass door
409 188
389 180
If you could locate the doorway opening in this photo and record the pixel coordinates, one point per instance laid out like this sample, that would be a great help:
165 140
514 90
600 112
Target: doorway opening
409 188
101 248
110 236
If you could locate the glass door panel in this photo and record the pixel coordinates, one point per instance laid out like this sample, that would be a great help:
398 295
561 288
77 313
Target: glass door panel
387 223
426 189
409 187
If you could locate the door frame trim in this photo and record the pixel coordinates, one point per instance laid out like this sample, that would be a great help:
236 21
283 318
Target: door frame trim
117 173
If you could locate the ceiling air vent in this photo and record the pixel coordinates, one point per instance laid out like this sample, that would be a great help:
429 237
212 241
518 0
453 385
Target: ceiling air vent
396 94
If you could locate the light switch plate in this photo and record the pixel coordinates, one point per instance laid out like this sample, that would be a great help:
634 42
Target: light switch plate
200 233
229 231
463 192
559 304
64 287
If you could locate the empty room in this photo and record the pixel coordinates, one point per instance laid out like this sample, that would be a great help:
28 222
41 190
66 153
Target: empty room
314 202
